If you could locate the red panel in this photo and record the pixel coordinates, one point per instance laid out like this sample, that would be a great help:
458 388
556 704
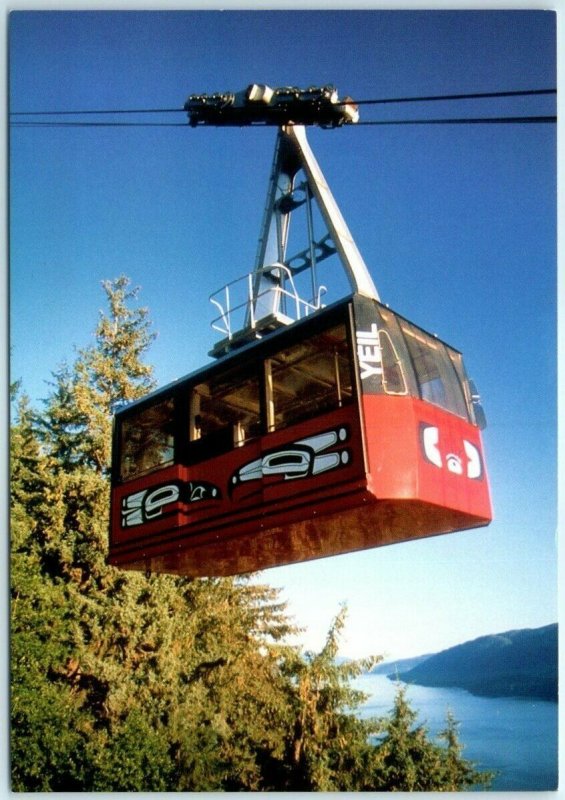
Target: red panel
135 512
307 492
267 482
335 457
419 451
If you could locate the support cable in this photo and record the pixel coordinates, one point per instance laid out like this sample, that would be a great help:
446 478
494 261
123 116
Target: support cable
446 121
429 98
472 96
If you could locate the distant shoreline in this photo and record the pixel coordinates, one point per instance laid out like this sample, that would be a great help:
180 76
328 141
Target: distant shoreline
521 664
476 692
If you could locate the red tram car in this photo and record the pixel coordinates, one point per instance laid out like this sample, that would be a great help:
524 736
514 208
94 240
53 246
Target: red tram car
349 430
319 432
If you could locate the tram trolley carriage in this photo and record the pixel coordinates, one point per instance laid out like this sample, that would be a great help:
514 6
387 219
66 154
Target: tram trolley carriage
348 430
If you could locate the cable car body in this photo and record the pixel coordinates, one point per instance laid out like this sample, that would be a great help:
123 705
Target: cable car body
319 429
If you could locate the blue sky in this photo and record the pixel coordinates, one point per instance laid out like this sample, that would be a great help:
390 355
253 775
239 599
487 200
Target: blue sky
456 223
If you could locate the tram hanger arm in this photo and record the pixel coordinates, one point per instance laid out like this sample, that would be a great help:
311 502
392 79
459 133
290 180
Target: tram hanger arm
291 109
352 260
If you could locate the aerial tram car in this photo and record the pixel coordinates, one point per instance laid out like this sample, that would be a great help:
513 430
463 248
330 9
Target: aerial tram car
319 428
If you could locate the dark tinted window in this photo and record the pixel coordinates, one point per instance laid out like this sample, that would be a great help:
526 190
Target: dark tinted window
309 378
438 379
225 411
147 440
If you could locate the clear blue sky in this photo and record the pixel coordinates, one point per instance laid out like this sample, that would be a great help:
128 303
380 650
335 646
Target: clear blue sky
456 223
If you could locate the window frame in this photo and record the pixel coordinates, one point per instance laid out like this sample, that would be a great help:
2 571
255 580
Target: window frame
339 385
451 380
223 439
128 419
385 334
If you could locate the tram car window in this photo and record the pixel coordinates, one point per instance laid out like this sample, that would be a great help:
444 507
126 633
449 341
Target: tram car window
225 412
437 378
147 440
309 378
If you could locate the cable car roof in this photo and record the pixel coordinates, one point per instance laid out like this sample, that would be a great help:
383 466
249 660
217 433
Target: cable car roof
236 355
291 331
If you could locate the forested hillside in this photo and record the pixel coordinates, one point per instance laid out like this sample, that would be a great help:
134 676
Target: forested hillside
127 682
521 663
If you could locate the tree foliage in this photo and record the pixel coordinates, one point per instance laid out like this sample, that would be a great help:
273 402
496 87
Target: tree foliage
76 425
127 682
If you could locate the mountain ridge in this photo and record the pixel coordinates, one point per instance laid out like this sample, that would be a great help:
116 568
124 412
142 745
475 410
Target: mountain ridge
516 663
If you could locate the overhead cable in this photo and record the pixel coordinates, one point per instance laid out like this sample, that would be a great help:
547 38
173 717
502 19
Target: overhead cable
441 121
99 111
463 121
429 98
52 124
473 96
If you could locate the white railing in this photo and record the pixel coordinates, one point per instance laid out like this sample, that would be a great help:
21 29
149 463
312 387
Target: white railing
244 306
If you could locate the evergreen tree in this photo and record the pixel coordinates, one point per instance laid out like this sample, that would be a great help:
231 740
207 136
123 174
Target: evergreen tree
45 739
61 428
116 655
411 762
408 762
333 749
329 748
458 772
78 417
30 476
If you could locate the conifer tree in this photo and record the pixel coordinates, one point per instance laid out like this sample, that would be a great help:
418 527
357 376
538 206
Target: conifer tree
458 772
28 468
411 762
45 738
78 415
329 747
120 658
